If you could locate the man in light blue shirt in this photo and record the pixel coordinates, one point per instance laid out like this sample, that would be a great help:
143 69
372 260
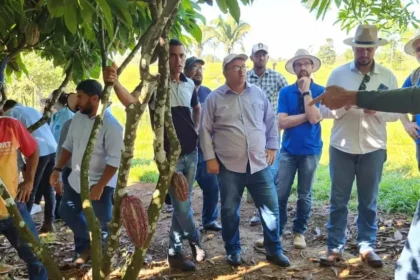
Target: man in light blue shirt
102 170
62 115
239 139
47 147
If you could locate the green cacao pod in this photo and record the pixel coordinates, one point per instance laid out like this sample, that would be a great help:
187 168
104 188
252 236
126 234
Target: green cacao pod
134 219
180 185
32 34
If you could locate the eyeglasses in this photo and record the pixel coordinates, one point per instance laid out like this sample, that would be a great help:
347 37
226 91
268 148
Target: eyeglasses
366 79
299 65
238 68
195 68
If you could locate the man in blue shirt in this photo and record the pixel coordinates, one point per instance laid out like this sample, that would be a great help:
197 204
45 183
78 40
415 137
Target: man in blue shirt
413 48
208 182
301 142
47 148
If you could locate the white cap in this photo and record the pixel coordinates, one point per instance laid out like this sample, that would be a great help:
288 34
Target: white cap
233 56
259 47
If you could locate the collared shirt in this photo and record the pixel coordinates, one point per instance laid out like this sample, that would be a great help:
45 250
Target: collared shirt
63 135
13 136
353 131
183 98
107 150
58 119
407 84
271 82
304 139
43 135
238 128
202 94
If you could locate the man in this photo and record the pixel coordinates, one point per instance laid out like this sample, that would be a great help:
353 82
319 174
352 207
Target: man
271 83
208 182
102 170
239 139
47 147
15 136
413 48
301 142
361 155
186 112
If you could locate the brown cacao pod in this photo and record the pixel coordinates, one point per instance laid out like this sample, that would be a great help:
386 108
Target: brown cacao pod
134 219
180 185
32 34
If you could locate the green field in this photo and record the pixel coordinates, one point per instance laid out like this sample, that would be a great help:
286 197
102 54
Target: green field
400 184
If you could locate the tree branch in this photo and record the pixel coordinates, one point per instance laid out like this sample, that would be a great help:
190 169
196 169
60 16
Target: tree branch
116 30
130 57
102 45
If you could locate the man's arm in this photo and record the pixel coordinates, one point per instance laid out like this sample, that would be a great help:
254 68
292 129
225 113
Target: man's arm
206 130
113 147
286 121
196 112
271 130
312 112
125 97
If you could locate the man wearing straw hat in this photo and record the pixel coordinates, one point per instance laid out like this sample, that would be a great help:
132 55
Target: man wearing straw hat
358 148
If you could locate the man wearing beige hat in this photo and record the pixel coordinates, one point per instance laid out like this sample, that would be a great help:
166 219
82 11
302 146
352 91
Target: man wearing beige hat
239 139
271 82
413 48
358 148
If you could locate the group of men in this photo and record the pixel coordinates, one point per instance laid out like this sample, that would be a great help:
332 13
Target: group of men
230 140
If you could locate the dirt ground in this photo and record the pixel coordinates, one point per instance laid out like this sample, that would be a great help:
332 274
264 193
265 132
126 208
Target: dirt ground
305 263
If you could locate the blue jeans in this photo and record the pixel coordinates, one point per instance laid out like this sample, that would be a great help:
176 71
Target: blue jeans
72 214
263 192
344 168
210 185
36 270
305 166
183 224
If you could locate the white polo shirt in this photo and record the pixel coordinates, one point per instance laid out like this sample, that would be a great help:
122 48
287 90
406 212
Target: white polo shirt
353 131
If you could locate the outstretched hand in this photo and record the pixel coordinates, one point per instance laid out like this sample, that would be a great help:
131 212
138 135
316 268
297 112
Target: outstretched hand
335 97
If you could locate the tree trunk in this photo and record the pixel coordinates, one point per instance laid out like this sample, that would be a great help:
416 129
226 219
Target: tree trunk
39 250
3 91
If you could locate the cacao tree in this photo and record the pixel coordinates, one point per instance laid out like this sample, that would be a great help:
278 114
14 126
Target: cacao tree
82 37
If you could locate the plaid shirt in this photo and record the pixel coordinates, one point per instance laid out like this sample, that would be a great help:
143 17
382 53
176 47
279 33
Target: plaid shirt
271 83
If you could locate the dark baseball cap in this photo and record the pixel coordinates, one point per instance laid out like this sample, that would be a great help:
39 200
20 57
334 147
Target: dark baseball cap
191 60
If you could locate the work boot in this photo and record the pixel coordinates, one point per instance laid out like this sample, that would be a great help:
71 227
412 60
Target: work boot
180 262
46 227
197 249
299 241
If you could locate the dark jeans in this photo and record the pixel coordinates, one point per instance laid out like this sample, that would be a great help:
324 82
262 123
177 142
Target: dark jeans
72 214
210 185
36 270
305 166
42 184
263 191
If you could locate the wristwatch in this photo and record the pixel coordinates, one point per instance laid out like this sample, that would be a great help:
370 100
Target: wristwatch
307 93
58 169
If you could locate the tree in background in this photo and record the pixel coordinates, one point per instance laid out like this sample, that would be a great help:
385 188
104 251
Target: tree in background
348 54
229 32
206 39
327 53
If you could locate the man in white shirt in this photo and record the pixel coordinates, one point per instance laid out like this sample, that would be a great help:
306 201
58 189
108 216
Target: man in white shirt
102 170
358 148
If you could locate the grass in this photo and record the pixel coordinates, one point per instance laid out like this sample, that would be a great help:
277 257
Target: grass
399 189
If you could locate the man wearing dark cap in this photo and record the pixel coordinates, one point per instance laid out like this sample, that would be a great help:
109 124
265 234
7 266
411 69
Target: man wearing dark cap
271 82
208 182
102 170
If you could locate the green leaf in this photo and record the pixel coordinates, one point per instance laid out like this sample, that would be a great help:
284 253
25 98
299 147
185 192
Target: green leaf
234 9
87 11
107 15
56 7
223 5
70 19
121 9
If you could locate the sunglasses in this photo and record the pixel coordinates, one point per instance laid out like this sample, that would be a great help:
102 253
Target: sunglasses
366 79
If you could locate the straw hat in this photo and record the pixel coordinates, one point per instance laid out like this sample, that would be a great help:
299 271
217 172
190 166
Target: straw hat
301 53
366 36
408 48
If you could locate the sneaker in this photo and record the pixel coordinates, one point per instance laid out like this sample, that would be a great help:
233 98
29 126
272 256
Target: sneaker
169 208
180 262
256 220
299 241
260 243
36 208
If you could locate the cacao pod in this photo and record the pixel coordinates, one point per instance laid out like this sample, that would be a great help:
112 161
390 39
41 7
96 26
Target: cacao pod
32 34
134 219
180 185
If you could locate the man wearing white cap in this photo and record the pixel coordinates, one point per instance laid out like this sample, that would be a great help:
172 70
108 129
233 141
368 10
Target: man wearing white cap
358 148
413 48
301 142
239 139
271 82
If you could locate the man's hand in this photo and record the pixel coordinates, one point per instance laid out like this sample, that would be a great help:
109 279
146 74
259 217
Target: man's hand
270 155
59 188
55 175
335 97
24 191
412 129
96 192
304 84
110 74
213 166
369 112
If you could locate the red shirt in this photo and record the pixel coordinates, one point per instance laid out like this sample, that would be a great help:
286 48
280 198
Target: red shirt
13 136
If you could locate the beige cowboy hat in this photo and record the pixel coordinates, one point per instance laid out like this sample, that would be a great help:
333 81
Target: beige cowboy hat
366 36
301 53
408 48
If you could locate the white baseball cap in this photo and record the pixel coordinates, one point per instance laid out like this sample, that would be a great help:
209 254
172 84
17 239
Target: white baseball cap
233 56
259 47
